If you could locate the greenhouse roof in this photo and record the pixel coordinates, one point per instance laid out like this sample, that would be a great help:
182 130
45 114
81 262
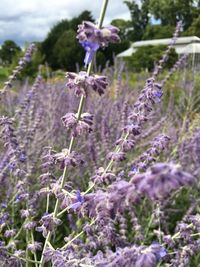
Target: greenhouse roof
181 44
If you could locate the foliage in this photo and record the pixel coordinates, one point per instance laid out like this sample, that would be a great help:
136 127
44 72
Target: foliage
56 39
108 54
65 51
194 29
139 18
146 57
8 52
158 32
123 25
170 11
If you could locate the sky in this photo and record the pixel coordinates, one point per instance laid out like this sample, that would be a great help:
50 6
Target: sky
31 20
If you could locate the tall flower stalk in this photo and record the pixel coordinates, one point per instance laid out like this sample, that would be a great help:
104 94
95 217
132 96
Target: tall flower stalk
80 109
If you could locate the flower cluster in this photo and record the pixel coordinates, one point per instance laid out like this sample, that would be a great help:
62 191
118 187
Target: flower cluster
22 62
158 145
48 224
91 37
78 126
65 158
160 180
82 83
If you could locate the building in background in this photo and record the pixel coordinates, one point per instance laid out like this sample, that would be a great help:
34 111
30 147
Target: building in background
189 44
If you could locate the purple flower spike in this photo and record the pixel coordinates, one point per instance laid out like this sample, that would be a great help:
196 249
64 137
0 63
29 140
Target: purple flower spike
78 202
81 83
158 250
134 168
90 48
92 38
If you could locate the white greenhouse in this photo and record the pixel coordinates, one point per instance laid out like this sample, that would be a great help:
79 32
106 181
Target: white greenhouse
189 44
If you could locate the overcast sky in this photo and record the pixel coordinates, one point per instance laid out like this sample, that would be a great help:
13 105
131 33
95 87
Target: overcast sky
31 20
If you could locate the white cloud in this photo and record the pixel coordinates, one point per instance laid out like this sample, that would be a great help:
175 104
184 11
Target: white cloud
30 20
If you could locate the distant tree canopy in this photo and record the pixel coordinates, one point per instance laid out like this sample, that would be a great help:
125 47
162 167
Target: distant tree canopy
194 29
146 57
9 51
168 12
139 18
61 49
158 32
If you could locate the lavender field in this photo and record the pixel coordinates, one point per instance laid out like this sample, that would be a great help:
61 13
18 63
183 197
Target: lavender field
101 167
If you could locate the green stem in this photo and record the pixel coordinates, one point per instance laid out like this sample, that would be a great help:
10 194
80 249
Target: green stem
74 238
80 108
23 259
34 253
110 163
20 230
27 252
148 227
47 204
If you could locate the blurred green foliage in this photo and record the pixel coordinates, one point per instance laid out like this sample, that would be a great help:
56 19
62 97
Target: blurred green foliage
158 32
146 57
149 19
62 51
8 52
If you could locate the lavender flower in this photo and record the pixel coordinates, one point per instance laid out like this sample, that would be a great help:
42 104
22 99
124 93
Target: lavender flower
65 158
34 247
103 177
90 48
10 233
125 144
91 38
116 156
78 126
30 225
48 222
158 145
159 251
160 180
146 260
78 201
81 83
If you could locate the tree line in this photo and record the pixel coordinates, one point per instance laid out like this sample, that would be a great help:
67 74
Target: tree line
149 19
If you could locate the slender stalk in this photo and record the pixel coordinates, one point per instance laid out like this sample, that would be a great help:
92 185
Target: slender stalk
74 238
47 204
27 252
80 108
34 253
110 163
23 259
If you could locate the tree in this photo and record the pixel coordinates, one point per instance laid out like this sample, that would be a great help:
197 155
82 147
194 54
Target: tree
146 57
67 52
9 51
123 26
170 11
194 29
139 18
54 38
62 51
85 15
158 32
